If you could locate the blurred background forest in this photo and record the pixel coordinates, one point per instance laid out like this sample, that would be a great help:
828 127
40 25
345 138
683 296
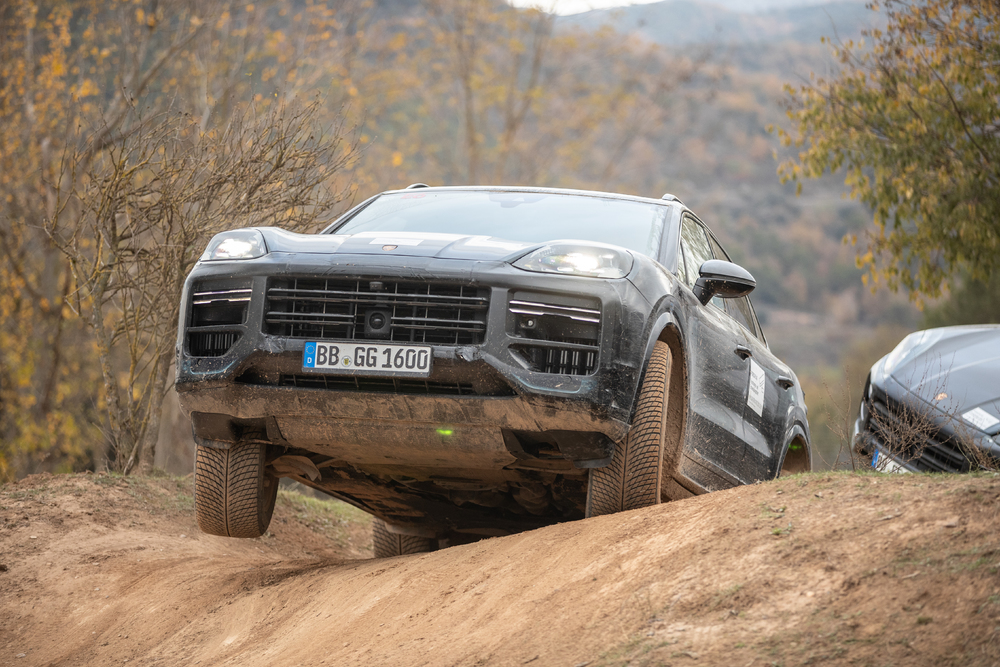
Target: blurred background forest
673 96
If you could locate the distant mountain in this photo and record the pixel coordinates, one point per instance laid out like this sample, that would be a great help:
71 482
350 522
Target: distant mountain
755 6
681 22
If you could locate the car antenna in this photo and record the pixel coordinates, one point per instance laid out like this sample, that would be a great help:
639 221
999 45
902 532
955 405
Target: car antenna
416 185
666 197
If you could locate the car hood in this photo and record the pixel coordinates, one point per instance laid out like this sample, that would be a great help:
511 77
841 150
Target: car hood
410 244
956 369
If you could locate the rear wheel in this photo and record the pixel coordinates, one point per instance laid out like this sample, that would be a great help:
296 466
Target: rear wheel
389 544
233 495
633 477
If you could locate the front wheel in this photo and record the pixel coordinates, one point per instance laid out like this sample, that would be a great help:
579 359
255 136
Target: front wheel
233 495
633 479
388 544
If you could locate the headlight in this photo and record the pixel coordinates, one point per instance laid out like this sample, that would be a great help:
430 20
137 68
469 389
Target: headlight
237 244
578 259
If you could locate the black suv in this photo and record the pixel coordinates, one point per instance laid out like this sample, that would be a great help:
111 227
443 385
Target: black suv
472 361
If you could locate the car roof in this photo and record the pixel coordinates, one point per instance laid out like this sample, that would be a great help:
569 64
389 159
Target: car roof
523 188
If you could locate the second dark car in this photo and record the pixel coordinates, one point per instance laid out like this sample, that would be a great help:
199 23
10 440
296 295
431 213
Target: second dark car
473 361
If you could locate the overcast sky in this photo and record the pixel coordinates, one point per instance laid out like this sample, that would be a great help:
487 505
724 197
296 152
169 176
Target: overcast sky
576 6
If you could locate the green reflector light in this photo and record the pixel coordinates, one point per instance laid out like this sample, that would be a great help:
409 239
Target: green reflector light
445 431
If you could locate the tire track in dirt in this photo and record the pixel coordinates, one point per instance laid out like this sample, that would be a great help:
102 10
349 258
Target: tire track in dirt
802 569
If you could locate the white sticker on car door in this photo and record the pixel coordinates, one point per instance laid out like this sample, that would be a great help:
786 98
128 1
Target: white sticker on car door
755 393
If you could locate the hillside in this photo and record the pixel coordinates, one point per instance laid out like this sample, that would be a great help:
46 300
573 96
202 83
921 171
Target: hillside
833 568
681 22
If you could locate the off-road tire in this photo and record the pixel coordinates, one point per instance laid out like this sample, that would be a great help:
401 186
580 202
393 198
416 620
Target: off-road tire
233 495
390 544
633 478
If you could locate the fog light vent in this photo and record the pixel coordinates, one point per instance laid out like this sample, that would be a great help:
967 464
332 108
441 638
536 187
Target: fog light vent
219 307
561 332
218 316
211 344
568 359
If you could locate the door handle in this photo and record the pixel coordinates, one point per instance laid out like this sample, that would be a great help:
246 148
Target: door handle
743 352
785 382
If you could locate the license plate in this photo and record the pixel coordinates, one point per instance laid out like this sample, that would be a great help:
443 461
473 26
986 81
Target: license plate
884 463
365 359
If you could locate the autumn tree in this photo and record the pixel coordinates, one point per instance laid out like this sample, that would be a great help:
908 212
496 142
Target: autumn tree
911 119
73 74
135 219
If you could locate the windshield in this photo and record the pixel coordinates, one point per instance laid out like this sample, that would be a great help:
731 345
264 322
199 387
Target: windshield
527 217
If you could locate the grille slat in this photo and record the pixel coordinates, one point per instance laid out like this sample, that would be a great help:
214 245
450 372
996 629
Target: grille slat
296 318
336 309
389 299
590 315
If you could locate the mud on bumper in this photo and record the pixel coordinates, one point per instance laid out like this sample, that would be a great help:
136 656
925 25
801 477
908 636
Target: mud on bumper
529 372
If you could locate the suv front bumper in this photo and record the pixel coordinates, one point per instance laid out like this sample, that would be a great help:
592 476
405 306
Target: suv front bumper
483 405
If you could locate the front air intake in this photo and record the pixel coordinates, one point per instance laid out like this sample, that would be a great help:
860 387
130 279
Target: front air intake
218 314
561 333
207 344
565 358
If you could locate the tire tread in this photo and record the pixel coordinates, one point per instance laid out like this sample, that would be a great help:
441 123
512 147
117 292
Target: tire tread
633 478
234 496
388 544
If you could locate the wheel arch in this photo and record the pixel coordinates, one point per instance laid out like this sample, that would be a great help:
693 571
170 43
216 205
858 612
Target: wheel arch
666 328
798 447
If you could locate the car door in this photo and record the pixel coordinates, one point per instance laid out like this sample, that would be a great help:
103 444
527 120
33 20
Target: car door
718 371
767 397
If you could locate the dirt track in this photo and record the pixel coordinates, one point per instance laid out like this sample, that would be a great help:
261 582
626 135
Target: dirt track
838 569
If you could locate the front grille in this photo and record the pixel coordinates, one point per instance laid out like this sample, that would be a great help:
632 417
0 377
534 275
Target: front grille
413 312
377 385
561 337
913 437
218 313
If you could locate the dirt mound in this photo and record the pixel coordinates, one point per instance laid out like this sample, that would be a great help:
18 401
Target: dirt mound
835 568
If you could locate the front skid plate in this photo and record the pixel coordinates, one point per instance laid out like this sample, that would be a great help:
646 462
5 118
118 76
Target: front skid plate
385 412
444 444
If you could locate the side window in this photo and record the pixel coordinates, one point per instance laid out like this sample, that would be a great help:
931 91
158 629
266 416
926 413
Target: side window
681 271
739 308
717 249
696 248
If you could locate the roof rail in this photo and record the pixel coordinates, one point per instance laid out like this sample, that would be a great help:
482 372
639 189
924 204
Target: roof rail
416 185
670 197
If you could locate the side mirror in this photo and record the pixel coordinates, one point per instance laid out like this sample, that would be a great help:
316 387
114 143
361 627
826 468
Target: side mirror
725 279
